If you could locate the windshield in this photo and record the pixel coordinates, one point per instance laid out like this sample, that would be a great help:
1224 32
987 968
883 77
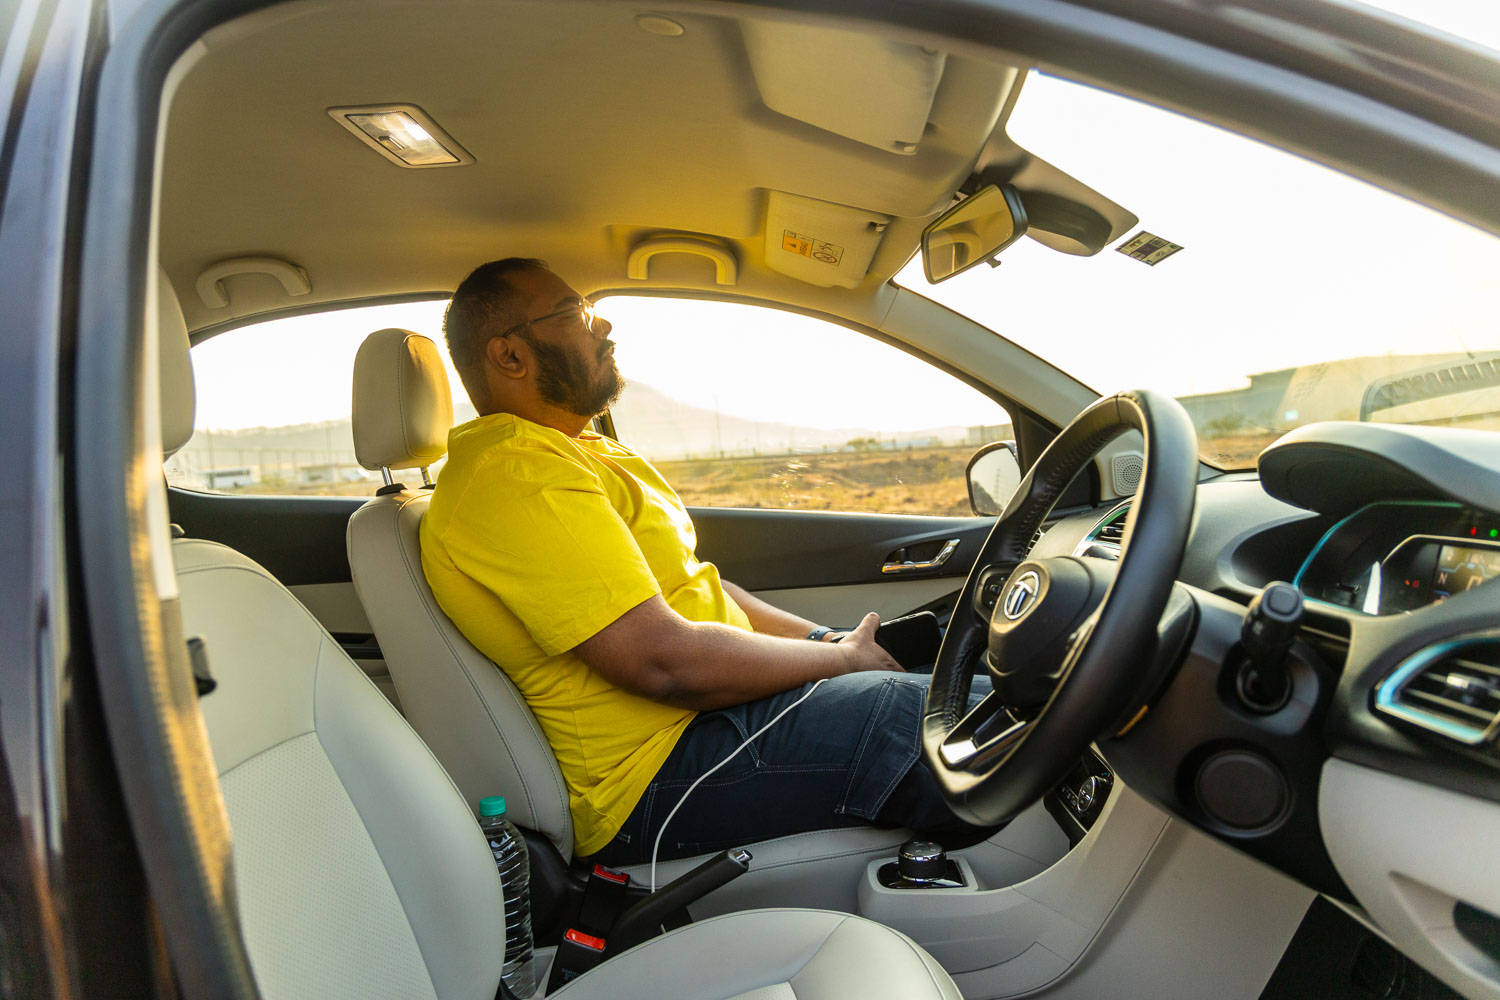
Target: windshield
1300 294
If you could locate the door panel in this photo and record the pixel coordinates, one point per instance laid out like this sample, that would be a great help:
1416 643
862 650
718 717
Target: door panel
300 540
782 549
823 566
826 567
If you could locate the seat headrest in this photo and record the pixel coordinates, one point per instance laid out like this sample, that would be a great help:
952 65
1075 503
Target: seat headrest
402 407
178 395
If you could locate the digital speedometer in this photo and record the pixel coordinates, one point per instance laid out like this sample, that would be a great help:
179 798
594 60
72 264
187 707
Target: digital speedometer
1460 567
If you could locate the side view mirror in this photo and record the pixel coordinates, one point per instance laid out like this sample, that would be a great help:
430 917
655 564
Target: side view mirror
994 473
974 230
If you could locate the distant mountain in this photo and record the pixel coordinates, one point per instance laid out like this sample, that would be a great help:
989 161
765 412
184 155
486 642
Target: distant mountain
648 420
658 426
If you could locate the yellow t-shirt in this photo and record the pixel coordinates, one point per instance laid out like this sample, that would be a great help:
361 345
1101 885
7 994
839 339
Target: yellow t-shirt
533 542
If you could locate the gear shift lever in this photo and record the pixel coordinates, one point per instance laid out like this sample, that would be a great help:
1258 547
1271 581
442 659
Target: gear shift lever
921 865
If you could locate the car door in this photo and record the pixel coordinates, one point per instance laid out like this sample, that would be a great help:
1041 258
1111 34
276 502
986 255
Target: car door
76 919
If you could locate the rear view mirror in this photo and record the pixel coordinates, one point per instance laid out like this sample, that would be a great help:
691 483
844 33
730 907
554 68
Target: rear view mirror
994 473
974 230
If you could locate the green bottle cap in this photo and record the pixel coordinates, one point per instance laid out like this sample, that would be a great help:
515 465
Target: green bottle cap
492 805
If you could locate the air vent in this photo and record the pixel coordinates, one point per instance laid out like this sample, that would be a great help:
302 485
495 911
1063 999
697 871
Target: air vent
1452 688
1113 532
1107 537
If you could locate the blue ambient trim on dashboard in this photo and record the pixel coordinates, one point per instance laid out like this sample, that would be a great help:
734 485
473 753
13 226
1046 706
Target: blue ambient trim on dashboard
1306 563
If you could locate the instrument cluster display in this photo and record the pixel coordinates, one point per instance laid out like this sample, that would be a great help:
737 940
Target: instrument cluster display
1426 570
1392 557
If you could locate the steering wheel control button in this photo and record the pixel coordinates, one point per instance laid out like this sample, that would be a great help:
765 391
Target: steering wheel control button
1241 790
921 865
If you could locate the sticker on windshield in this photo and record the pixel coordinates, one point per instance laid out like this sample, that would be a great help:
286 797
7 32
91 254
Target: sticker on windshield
806 246
1151 249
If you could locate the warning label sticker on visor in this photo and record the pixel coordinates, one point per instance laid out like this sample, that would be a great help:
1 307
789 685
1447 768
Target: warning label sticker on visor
1147 247
806 246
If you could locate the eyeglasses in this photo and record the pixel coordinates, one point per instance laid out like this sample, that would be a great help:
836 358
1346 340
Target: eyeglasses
581 311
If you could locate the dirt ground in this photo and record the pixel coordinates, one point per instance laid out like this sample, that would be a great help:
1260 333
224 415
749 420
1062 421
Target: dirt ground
902 481
895 481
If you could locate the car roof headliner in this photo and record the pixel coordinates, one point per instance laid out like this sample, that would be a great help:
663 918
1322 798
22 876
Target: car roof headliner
588 134
588 137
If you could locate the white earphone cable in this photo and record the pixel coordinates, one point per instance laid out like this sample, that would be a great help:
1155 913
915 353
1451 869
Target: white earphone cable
656 846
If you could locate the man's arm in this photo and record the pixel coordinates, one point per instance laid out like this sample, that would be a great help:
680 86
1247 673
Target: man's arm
767 618
654 652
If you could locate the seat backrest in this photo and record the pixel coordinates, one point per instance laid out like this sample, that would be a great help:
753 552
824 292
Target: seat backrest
359 870
464 706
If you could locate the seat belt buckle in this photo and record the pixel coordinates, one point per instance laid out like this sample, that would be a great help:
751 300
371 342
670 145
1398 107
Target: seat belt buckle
577 953
605 897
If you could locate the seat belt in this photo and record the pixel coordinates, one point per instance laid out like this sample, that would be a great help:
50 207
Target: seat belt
609 923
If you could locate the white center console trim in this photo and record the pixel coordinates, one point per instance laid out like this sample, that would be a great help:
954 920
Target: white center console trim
1142 906
1409 852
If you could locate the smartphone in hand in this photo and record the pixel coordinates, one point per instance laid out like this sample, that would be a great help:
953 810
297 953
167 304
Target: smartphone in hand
912 640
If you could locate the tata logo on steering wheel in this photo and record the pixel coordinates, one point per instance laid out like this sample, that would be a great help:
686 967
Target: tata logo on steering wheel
1021 595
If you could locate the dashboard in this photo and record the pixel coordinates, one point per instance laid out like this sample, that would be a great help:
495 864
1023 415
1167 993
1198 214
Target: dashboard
1381 771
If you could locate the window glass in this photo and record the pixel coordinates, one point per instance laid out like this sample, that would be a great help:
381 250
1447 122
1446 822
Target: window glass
747 406
1298 294
273 403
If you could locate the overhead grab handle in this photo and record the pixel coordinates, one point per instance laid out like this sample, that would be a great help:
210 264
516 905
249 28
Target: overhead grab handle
726 268
211 282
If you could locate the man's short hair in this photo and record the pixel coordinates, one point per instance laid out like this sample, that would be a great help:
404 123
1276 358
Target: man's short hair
483 306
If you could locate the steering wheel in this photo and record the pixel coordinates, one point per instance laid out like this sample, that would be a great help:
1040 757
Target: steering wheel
1071 643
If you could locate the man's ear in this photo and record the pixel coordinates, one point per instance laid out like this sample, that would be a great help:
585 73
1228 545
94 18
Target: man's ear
504 354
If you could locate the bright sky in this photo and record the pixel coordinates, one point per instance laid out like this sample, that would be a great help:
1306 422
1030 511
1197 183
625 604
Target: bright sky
1285 263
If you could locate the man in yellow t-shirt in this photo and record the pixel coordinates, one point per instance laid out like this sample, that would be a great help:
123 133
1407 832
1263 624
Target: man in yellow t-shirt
569 561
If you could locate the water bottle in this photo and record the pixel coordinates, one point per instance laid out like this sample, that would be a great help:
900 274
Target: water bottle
518 974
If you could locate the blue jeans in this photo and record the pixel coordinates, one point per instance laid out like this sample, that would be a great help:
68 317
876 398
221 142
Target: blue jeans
848 756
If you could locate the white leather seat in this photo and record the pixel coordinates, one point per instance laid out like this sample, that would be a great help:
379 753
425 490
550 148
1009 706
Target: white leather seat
461 704
359 869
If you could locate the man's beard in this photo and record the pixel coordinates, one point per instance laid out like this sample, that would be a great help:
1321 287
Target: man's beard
562 379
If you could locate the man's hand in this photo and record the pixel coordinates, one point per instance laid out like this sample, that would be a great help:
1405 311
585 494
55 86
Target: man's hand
863 652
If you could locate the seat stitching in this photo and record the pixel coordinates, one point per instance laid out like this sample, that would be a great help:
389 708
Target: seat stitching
922 960
262 751
821 944
916 952
530 721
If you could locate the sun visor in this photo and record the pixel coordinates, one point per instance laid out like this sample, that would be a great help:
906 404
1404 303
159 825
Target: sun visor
868 89
819 242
